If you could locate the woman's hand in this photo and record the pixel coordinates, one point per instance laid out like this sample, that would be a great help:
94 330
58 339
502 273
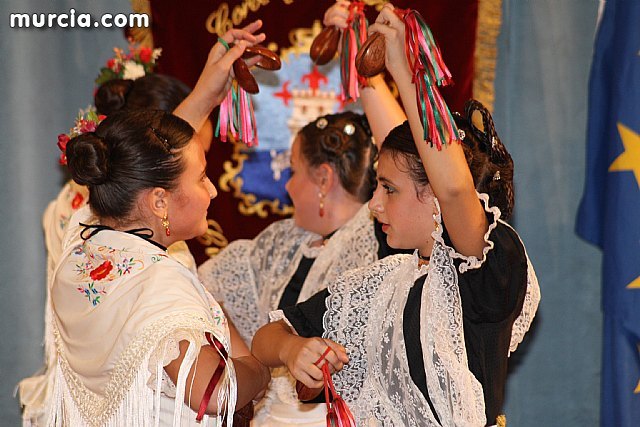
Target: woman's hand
216 76
392 28
337 14
215 80
305 356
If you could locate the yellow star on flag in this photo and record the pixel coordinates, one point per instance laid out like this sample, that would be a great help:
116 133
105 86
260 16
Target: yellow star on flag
629 160
637 390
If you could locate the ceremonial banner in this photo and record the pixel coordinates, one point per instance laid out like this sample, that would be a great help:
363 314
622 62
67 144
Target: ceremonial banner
251 181
609 214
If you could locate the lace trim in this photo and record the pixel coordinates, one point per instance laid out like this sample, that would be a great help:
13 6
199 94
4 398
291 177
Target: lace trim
352 246
97 409
530 306
248 276
253 274
346 320
469 262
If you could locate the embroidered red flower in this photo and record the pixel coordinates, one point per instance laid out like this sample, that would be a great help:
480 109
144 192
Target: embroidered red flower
101 271
77 201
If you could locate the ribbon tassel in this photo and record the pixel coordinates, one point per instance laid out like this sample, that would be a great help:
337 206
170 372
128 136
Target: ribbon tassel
236 117
429 71
353 37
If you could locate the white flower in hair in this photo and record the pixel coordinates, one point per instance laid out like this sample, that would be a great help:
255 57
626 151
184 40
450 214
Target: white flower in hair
132 70
156 53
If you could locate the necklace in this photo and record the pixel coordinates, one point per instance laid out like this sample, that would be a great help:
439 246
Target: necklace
423 260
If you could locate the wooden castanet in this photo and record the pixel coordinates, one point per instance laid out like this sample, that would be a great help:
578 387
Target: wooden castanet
370 57
325 45
268 60
244 77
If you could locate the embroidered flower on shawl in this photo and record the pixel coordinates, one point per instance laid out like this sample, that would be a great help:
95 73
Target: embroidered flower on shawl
218 315
77 201
112 264
102 271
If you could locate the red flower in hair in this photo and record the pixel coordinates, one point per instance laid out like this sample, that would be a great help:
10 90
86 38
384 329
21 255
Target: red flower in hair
87 121
146 54
63 139
111 63
101 271
85 126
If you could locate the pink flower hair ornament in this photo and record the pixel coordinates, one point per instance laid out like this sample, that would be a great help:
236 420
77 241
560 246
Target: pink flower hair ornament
86 121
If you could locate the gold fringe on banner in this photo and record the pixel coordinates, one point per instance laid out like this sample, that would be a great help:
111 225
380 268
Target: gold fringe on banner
249 203
486 52
142 36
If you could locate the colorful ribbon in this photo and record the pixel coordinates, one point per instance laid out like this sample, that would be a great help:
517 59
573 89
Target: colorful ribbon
352 38
338 413
236 117
429 71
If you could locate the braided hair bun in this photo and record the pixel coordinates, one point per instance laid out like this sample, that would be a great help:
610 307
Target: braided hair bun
489 161
88 159
344 141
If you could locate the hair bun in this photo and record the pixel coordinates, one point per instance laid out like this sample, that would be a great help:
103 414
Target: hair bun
88 159
111 96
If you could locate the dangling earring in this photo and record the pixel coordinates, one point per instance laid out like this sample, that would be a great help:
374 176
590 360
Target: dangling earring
165 224
321 211
436 224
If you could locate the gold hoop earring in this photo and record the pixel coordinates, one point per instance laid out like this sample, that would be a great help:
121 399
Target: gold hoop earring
165 224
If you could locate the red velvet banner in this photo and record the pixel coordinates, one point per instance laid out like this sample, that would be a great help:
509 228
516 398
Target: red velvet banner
186 31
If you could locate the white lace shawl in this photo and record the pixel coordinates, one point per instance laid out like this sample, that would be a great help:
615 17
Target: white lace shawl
248 278
120 306
365 314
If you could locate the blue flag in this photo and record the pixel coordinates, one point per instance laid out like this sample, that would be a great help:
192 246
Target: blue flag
609 214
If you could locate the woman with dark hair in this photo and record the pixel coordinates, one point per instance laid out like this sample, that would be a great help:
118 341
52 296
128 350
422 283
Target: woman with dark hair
332 161
421 339
136 335
150 92
332 164
153 92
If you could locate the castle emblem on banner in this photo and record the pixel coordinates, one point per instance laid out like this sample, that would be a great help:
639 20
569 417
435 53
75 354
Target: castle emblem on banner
290 98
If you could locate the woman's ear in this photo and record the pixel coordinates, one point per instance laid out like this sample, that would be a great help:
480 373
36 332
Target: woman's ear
324 176
425 194
157 201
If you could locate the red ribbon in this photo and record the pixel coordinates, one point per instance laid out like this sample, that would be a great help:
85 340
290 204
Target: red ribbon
338 413
216 375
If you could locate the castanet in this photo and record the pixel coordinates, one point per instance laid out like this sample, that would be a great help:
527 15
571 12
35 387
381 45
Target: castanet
370 57
268 60
325 45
